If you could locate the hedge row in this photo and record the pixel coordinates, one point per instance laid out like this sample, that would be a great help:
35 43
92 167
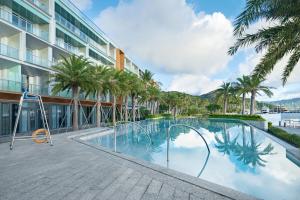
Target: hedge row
234 116
290 138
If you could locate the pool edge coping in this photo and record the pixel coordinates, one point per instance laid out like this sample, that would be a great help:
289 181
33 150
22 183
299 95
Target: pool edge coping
198 182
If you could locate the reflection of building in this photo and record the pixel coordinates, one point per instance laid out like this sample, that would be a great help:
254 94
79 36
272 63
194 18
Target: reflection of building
33 36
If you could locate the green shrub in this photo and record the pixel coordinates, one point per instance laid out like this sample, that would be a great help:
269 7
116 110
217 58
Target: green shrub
290 138
153 116
167 115
241 117
144 112
270 124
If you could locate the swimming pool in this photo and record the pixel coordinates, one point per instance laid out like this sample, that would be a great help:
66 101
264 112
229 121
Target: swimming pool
241 157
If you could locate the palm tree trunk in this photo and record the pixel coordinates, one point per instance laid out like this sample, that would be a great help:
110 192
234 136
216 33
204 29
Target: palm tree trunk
252 105
114 110
225 105
152 107
98 113
121 109
175 111
126 108
133 108
75 91
244 104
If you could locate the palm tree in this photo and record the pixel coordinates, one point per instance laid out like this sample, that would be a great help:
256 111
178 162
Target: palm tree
279 40
124 84
136 88
243 88
112 86
147 76
72 73
153 92
255 88
224 91
147 79
99 76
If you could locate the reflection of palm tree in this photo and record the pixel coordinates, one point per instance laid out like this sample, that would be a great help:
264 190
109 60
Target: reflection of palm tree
251 153
226 145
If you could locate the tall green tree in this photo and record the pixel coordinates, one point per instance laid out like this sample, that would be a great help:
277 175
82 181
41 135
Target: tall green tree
243 89
99 75
147 76
73 74
255 88
125 88
136 87
279 40
224 92
113 87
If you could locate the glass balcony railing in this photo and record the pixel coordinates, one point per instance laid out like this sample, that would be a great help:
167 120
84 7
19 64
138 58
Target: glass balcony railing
9 51
22 23
38 89
66 24
40 4
31 58
65 94
68 47
8 85
97 46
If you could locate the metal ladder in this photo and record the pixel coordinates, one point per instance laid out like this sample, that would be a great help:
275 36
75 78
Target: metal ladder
168 144
34 98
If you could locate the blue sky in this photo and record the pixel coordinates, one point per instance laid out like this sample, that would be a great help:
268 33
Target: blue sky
184 43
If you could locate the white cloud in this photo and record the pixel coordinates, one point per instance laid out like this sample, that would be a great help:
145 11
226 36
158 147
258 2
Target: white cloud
170 37
83 4
193 84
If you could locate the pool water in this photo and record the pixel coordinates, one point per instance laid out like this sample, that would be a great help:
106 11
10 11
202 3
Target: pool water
241 157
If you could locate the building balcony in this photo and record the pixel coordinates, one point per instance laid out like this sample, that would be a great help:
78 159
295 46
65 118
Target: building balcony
73 29
23 24
11 86
38 89
68 47
40 5
9 51
97 46
33 59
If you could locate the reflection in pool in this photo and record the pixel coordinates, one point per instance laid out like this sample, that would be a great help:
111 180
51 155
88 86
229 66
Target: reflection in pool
242 157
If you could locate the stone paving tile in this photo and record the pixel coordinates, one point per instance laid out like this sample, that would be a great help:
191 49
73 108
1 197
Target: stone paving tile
166 192
70 170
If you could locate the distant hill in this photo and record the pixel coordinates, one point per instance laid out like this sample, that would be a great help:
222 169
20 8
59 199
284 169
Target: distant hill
288 103
208 96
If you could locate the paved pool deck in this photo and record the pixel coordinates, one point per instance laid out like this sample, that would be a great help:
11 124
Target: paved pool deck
290 130
71 169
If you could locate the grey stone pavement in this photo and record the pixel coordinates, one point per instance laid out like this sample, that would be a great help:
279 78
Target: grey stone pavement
73 170
291 130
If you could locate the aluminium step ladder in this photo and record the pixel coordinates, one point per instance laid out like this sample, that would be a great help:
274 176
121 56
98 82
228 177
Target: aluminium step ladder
32 98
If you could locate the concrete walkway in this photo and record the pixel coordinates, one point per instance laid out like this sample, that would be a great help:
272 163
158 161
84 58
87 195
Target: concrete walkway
72 170
290 130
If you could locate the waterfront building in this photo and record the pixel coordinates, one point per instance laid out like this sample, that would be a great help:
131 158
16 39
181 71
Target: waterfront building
33 36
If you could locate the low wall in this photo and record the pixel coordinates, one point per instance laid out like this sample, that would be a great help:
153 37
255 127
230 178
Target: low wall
263 125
